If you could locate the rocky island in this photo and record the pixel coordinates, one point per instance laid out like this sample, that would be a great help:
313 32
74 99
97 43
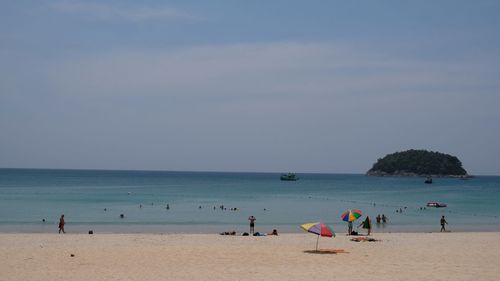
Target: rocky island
418 163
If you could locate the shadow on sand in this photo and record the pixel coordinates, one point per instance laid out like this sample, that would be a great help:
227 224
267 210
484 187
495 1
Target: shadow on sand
326 251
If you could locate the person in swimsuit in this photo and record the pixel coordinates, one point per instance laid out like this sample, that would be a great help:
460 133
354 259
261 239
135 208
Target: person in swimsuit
443 222
252 220
349 228
61 224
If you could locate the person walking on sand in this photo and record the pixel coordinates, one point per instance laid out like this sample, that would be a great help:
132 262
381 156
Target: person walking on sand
252 220
443 222
367 224
61 224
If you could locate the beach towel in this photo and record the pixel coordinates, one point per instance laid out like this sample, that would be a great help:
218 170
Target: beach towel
364 239
327 251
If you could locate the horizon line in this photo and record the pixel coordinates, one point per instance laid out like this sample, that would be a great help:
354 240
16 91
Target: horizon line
201 171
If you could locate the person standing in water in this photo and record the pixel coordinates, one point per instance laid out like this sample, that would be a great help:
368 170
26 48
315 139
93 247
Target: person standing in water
443 222
61 224
252 220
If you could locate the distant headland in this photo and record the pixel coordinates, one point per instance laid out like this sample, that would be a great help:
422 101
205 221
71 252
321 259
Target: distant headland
418 163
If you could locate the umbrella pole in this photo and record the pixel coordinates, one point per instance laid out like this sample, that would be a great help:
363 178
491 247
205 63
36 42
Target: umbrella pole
317 243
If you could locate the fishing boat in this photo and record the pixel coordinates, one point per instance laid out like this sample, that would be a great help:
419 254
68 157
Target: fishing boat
289 177
436 205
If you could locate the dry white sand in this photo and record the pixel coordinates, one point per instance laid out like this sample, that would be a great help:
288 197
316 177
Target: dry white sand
401 256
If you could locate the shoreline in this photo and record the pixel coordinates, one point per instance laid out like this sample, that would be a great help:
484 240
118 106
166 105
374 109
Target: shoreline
238 233
338 234
239 228
397 256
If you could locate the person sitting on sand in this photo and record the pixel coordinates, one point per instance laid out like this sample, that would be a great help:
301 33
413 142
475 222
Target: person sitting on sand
367 224
443 222
275 232
61 224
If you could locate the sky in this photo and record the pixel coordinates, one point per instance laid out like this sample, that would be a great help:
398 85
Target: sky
258 86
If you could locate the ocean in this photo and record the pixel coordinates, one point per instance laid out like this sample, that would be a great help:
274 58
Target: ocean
95 199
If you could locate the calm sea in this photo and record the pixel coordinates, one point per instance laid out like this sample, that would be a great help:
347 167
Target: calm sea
92 199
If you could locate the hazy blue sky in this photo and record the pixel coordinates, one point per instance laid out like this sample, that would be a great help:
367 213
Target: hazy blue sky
305 86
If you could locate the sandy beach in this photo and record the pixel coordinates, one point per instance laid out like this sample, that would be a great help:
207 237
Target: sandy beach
398 256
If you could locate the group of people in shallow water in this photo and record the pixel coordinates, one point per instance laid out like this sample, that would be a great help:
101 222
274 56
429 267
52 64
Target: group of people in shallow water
382 218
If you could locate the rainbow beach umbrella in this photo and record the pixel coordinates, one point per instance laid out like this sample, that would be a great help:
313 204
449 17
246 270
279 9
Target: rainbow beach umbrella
351 215
319 229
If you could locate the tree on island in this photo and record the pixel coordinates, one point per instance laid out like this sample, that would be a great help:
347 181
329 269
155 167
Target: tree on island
418 163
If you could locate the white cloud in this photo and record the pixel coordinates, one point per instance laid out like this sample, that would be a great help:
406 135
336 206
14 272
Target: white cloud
118 12
270 70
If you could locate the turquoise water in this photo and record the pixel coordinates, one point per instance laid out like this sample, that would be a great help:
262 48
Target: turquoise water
28 195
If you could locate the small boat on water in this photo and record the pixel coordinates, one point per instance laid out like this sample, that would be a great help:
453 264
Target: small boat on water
428 180
436 205
289 177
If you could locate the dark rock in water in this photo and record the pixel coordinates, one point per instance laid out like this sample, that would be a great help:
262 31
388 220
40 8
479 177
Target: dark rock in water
418 163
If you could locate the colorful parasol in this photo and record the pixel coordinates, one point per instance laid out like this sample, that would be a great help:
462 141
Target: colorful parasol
319 229
351 215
